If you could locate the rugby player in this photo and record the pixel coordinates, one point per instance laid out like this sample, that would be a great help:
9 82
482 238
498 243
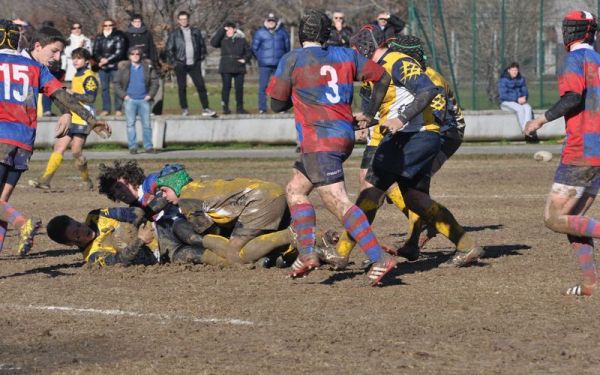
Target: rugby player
405 154
577 178
318 82
23 79
255 209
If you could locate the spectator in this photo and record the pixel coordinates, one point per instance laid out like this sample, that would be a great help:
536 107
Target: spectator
389 24
186 51
74 41
136 83
513 93
340 33
110 47
271 41
138 34
235 54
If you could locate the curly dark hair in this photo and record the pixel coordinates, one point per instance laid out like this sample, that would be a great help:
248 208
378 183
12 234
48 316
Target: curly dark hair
130 171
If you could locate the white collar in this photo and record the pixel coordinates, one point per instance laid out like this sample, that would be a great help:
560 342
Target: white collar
9 51
581 46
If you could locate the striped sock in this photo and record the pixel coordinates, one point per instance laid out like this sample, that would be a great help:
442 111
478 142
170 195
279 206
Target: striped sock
3 228
10 214
304 224
356 223
584 226
346 243
584 251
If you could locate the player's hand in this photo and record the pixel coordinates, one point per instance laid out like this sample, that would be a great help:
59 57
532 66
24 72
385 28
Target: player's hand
361 134
62 125
532 125
522 100
146 233
361 121
102 128
393 125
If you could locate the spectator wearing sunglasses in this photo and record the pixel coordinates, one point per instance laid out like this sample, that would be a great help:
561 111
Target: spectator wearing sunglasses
74 41
340 32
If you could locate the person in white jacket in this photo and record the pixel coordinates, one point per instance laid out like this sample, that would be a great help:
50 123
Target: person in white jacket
75 40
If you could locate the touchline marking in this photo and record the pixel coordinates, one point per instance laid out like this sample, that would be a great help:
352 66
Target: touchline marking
115 312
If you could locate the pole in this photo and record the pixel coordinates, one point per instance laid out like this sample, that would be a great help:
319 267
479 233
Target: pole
503 34
448 54
412 29
432 33
541 54
474 54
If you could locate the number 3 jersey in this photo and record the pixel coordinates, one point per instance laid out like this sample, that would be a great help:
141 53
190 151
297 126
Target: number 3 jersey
320 83
581 74
21 80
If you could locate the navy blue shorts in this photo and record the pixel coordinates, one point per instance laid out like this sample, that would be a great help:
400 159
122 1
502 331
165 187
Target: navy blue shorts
322 168
582 178
77 129
368 156
14 157
405 158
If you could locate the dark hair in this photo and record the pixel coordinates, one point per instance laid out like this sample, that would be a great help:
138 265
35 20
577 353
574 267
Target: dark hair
136 16
183 13
229 24
514 64
81 53
57 229
130 171
47 35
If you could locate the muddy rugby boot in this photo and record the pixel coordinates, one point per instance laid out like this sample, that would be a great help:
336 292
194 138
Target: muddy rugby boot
463 259
579 290
26 234
380 269
304 264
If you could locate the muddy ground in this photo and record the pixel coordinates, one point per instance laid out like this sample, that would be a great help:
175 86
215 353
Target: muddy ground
504 315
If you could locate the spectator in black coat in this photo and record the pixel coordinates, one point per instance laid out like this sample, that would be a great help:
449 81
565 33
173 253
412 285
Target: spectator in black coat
389 24
110 47
340 32
235 54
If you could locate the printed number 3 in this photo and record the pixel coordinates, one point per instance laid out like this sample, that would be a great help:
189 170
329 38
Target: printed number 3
332 83
19 75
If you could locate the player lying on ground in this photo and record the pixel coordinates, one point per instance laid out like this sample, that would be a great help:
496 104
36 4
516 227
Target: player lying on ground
577 177
406 152
113 236
318 82
23 80
256 209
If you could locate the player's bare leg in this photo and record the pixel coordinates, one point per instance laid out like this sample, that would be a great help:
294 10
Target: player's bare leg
564 213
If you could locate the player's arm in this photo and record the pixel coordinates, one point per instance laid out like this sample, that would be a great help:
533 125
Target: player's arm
73 105
280 105
567 104
378 92
280 86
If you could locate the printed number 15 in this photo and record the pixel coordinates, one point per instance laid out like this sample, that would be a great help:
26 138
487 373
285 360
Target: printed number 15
19 75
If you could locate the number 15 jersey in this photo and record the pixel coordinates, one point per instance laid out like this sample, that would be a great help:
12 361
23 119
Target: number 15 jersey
320 83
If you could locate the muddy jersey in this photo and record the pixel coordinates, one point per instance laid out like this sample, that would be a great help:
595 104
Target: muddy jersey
112 232
445 107
84 82
407 80
581 74
225 201
21 80
320 84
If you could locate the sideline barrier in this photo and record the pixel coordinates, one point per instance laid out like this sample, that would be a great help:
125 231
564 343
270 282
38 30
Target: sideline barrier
278 129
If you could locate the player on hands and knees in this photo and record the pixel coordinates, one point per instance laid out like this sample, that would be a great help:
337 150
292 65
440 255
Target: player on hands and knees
318 82
577 178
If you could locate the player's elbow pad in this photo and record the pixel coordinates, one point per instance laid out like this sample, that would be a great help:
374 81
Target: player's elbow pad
280 105
567 103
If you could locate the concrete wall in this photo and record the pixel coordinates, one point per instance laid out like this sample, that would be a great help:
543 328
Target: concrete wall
274 129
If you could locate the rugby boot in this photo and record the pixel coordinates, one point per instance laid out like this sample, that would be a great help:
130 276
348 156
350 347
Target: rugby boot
330 256
463 259
304 264
39 185
380 269
409 251
26 234
580 290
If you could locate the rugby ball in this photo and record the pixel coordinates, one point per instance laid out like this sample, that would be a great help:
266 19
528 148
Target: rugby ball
542 156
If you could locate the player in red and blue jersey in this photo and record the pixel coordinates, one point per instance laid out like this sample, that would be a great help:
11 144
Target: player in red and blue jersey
21 80
577 178
318 82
